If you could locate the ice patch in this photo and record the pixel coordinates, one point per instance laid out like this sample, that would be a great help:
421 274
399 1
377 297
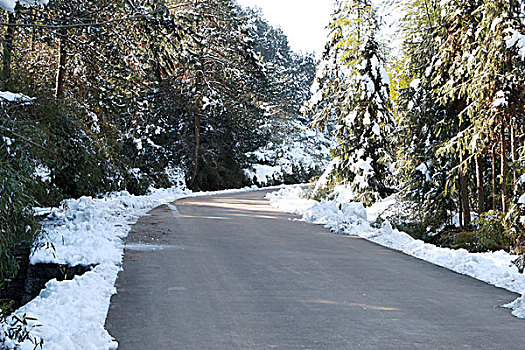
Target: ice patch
174 210
152 247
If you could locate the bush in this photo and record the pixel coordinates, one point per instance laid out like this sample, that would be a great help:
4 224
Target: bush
17 226
491 232
515 224
15 329
413 218
466 240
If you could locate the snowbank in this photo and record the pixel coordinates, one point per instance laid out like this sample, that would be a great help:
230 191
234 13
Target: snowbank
9 5
14 97
71 314
348 218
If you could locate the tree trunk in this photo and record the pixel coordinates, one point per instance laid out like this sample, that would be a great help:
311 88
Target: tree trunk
465 205
199 79
196 151
7 48
463 183
494 179
479 183
503 166
61 69
460 206
514 151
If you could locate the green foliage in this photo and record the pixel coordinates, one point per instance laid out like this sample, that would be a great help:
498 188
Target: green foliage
465 240
492 233
413 218
355 94
17 226
460 89
133 93
515 227
17 329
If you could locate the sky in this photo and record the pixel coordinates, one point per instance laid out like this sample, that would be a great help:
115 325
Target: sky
303 21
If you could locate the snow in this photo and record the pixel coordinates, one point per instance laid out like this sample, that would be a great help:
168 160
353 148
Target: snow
9 5
364 165
423 169
14 97
8 142
518 40
88 231
500 101
414 84
390 14
302 150
325 177
376 129
264 173
495 268
138 144
176 176
42 173
71 314
521 180
378 208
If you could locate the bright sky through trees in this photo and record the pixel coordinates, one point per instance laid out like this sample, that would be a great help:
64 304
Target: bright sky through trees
303 21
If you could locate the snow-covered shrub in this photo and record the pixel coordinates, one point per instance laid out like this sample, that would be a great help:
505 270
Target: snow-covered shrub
407 216
15 330
300 156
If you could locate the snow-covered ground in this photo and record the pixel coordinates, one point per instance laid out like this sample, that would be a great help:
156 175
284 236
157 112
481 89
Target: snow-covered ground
9 5
352 218
71 314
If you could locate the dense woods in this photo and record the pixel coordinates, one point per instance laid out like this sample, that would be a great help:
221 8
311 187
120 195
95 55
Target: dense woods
445 129
100 96
125 95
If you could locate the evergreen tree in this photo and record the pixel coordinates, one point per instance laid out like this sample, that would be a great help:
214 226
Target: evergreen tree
355 88
422 125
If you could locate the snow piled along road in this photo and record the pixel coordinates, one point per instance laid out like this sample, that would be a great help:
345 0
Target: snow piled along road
71 314
352 218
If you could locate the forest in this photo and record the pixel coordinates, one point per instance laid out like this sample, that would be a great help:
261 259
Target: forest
130 95
102 96
441 124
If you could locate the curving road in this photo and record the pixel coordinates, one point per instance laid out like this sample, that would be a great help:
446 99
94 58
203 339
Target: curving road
230 272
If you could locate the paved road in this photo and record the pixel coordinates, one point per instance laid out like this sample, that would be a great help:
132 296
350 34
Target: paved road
230 272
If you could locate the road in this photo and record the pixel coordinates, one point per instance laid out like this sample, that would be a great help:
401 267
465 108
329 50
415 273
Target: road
230 272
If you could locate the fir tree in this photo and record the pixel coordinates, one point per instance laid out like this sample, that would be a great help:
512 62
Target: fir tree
355 88
422 125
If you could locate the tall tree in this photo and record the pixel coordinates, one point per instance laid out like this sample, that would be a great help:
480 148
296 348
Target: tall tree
357 97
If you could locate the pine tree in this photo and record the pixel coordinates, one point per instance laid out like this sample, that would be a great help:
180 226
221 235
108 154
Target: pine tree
422 122
355 88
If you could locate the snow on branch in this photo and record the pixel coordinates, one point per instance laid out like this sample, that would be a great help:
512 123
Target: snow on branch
9 5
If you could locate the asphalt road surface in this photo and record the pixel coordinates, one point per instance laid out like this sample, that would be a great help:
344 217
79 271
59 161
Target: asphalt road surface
230 272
